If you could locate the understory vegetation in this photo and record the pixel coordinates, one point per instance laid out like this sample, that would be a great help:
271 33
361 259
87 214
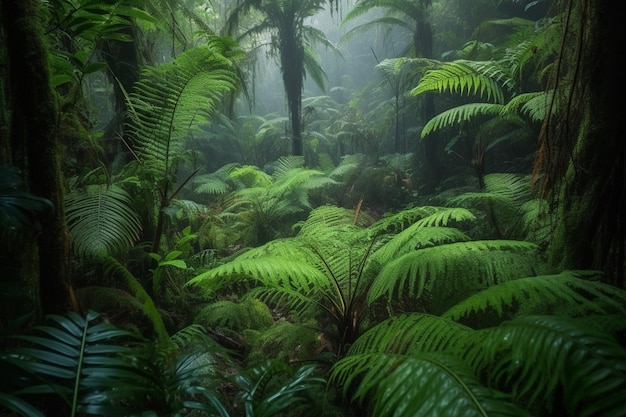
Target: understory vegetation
386 255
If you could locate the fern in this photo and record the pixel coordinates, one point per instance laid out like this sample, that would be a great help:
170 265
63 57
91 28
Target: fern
461 114
454 267
460 77
429 334
102 221
535 355
445 386
568 292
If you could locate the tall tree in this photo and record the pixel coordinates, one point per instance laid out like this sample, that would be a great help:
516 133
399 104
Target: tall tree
35 148
582 160
291 41
411 15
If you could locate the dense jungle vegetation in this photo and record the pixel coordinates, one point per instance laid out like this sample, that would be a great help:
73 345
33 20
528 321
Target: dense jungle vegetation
312 208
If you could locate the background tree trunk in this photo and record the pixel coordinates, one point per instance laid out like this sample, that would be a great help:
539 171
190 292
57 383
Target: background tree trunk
35 148
583 148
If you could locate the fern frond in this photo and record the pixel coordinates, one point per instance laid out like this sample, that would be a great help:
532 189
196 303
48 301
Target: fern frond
270 271
535 355
173 98
408 334
102 221
461 78
454 268
566 292
416 237
461 114
446 386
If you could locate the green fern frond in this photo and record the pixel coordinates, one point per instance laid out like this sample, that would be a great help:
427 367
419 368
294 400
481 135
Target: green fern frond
461 114
416 237
461 78
270 271
248 313
324 222
396 222
446 386
408 334
173 98
454 268
504 189
445 216
102 221
535 355
567 292
251 176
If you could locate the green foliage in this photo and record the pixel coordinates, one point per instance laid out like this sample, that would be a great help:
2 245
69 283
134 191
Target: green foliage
286 340
275 388
98 369
464 78
102 221
247 313
520 364
18 208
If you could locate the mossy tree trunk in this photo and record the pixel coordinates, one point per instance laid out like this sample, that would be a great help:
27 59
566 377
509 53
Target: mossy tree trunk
35 148
583 150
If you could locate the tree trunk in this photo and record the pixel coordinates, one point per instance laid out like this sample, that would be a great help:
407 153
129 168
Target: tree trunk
292 66
585 176
35 148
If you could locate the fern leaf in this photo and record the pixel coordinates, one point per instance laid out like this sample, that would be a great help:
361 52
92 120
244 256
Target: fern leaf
455 267
102 221
459 77
536 355
408 334
568 292
459 115
445 387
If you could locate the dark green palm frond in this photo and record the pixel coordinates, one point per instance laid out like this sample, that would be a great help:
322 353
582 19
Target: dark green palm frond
411 333
536 355
462 78
102 221
80 359
461 114
425 384
274 387
570 293
454 268
313 67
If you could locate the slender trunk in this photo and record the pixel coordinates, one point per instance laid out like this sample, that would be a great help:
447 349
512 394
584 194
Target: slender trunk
292 65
